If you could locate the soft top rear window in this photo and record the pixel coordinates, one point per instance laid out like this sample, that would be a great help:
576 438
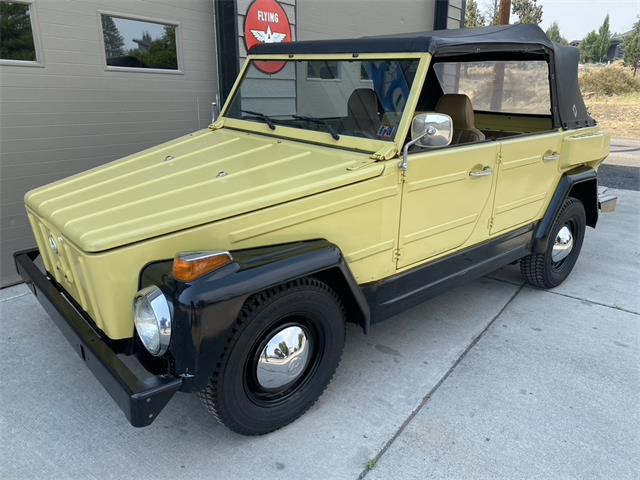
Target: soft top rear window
518 87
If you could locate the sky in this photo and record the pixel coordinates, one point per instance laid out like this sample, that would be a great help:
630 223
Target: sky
578 17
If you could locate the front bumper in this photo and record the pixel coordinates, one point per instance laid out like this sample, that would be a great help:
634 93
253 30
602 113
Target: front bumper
140 398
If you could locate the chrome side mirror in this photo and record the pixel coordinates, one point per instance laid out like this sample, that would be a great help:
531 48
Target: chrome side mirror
428 130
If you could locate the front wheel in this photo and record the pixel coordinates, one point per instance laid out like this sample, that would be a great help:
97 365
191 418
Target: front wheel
551 268
279 358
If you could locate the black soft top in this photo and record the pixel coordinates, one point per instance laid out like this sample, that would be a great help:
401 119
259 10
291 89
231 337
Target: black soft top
506 42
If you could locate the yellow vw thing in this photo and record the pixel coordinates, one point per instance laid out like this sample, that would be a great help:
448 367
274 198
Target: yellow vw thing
359 179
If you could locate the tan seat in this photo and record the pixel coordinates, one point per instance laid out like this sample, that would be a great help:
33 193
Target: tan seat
363 110
459 108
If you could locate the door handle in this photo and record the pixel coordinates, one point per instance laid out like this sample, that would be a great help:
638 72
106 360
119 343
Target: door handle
551 157
485 172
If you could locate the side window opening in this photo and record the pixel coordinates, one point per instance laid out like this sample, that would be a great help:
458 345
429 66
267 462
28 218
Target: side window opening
507 97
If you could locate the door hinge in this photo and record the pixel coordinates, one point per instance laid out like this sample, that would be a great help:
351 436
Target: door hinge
490 223
499 159
397 254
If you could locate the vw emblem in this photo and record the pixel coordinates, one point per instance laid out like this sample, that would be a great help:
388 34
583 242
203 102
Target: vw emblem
53 245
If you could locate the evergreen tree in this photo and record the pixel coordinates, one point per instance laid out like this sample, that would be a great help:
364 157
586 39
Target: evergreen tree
473 18
553 32
631 48
604 40
589 48
528 11
113 40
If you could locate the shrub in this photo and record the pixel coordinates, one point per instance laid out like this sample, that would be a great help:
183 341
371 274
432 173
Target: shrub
610 80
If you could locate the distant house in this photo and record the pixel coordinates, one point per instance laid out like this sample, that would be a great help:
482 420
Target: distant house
615 47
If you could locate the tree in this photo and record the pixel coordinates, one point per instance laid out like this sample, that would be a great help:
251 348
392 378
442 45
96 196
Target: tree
492 17
589 47
528 11
553 32
631 48
113 41
604 39
473 18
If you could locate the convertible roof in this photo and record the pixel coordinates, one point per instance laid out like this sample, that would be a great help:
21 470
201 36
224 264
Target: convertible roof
519 37
505 42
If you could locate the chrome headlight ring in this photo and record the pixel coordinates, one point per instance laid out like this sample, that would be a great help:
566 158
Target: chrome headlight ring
152 319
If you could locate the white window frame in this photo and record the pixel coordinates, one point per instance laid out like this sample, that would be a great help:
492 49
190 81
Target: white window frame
35 32
127 16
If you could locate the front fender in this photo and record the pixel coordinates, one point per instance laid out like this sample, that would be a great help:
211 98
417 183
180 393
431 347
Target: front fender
204 311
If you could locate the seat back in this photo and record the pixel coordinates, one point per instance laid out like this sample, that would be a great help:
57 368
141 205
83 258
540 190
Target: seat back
363 110
459 108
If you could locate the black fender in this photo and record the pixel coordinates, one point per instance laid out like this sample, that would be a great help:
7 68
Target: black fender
581 183
204 311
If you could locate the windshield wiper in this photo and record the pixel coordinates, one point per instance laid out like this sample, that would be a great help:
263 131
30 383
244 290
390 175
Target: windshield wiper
320 121
267 119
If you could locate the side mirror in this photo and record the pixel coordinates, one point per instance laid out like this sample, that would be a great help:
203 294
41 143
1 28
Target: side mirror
428 130
432 130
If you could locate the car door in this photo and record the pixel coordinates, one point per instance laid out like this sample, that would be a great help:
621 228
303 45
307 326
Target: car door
446 197
527 171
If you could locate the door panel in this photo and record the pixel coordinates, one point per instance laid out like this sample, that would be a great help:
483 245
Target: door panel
444 195
527 171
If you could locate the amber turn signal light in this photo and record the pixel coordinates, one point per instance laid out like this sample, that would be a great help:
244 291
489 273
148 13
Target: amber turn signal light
190 266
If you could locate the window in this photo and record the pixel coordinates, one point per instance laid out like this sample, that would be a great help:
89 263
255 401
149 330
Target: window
16 32
323 70
364 75
139 43
513 86
287 98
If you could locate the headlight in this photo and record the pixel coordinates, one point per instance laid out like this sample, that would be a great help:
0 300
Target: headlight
152 318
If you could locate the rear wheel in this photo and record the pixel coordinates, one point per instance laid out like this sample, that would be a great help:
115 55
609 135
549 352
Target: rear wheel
279 358
551 268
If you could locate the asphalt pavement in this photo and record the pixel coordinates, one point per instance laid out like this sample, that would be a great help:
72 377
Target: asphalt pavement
491 380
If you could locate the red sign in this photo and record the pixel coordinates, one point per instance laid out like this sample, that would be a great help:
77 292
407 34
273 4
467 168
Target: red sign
266 22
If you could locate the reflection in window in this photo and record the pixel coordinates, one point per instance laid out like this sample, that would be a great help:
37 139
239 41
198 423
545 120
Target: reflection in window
139 44
16 34
324 70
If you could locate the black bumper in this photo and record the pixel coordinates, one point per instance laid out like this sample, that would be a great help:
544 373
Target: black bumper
141 399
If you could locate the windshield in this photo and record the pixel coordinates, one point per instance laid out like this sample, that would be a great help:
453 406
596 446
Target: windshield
359 98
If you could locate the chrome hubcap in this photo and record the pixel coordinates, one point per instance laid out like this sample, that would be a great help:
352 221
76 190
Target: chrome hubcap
283 359
562 245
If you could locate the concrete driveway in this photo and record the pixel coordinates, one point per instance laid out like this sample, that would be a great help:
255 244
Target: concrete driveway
491 380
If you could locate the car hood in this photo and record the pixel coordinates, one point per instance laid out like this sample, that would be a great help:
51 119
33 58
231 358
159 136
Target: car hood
200 178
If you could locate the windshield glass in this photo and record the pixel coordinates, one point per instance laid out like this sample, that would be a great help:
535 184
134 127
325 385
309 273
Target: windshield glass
359 98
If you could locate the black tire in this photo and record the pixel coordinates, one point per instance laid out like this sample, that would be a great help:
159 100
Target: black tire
539 269
234 394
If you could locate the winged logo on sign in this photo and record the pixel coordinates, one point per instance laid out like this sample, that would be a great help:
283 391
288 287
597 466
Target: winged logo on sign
268 36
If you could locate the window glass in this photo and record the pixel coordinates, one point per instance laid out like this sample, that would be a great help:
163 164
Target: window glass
510 87
139 44
324 70
345 106
16 34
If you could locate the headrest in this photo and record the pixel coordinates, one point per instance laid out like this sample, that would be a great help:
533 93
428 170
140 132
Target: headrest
459 108
363 102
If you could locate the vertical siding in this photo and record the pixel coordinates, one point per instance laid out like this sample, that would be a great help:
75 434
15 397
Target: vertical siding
72 114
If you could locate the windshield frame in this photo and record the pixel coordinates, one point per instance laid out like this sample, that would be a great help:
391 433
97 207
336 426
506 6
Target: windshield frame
325 138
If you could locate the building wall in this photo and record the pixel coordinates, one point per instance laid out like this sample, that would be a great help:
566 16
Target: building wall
71 114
